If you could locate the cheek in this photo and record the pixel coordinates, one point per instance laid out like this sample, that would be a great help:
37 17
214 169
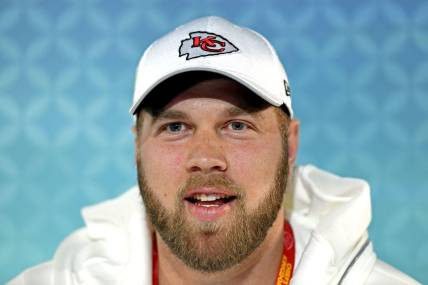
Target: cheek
163 168
254 166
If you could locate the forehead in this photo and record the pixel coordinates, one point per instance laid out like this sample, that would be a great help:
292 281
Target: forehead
201 85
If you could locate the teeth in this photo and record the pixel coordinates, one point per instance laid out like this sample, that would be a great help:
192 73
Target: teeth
208 198
209 206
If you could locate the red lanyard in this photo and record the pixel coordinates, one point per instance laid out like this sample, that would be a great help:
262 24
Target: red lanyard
286 266
285 270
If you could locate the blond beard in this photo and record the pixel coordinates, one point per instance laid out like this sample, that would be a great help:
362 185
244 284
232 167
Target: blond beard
212 246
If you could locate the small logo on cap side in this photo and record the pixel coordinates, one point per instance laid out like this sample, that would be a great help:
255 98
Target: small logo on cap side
205 44
287 88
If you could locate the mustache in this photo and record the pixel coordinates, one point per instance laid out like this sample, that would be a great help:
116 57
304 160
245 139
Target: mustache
211 180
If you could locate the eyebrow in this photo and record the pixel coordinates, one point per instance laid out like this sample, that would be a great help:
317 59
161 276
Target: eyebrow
169 115
236 111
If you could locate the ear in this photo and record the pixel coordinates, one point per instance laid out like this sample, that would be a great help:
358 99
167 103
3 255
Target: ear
293 143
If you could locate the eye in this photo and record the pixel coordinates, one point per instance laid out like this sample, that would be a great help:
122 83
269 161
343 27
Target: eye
237 126
175 127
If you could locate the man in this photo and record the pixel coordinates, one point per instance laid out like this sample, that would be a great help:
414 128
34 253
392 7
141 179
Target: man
216 143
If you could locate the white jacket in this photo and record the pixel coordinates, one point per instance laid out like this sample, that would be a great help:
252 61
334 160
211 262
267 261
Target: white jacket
329 216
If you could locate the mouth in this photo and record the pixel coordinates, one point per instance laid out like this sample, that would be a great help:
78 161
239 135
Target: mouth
209 206
210 200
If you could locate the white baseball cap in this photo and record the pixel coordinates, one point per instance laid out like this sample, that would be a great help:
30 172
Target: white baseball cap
216 45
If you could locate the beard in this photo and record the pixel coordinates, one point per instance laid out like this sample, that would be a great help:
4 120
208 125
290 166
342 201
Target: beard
216 245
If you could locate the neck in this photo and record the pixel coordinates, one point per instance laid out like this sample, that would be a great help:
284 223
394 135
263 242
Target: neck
259 267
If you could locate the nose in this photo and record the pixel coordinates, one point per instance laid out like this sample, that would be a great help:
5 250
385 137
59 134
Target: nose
206 154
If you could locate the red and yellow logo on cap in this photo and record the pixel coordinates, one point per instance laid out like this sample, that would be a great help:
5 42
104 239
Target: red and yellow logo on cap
205 44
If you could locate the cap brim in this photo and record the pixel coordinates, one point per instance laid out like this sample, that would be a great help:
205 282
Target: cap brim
240 78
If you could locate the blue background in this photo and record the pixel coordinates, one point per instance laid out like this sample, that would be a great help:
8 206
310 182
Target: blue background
358 72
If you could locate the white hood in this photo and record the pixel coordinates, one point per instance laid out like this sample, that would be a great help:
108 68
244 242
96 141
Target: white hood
330 215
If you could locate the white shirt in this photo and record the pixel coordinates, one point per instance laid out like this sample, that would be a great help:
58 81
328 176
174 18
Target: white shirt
329 216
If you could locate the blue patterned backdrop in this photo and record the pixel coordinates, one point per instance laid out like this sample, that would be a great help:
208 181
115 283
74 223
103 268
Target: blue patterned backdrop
359 74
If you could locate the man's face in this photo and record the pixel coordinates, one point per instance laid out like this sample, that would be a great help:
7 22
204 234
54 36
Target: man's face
212 169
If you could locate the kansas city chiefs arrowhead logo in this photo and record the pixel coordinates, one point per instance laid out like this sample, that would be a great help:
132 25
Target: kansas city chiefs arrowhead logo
205 44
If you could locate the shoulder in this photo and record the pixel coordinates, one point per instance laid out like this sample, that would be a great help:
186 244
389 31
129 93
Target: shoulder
383 273
37 275
330 216
114 242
